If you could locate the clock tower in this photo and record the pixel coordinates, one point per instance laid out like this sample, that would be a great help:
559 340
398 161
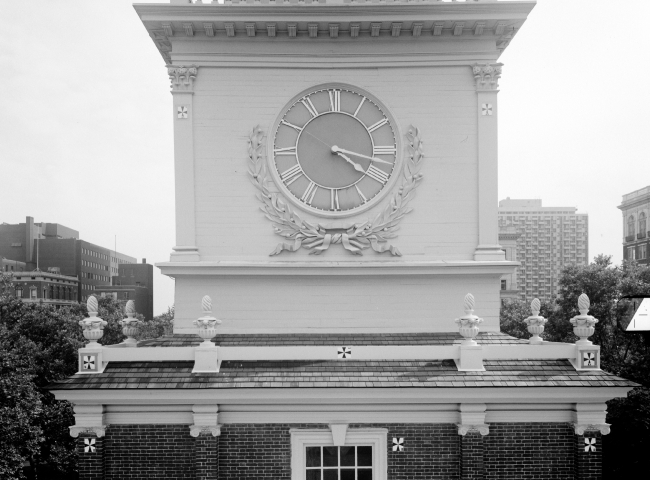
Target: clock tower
336 237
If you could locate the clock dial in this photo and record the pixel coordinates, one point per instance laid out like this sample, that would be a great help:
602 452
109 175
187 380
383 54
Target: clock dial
334 151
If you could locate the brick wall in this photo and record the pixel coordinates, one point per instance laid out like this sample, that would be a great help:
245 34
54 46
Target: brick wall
91 463
529 450
263 451
149 451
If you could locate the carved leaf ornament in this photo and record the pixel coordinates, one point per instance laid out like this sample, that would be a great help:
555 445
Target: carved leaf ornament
374 233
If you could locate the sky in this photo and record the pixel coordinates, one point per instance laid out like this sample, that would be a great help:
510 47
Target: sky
86 124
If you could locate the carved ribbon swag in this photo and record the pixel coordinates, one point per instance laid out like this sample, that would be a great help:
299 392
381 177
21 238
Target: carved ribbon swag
373 233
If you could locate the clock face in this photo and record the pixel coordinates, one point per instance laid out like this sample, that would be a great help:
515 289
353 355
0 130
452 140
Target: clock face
335 151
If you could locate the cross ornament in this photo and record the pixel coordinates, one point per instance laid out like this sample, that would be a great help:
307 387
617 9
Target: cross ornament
89 445
182 112
89 362
398 444
486 109
589 359
590 444
345 352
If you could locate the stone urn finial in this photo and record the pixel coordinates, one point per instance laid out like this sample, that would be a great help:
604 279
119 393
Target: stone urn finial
207 324
93 326
583 324
130 324
468 323
535 323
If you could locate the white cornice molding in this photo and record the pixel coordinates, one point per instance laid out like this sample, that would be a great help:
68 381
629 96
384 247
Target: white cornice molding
320 268
334 396
98 431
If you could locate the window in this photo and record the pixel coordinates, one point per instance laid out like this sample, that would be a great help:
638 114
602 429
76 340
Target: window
339 463
631 253
19 293
642 222
630 226
503 285
32 293
361 457
643 252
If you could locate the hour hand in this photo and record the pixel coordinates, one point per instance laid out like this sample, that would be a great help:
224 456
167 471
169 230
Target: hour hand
356 166
336 149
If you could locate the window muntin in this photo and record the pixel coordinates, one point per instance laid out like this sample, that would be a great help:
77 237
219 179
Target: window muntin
338 463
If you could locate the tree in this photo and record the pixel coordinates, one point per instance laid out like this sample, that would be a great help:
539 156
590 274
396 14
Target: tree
38 345
624 354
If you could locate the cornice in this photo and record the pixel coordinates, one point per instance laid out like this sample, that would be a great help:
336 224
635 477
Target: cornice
497 21
346 268
334 396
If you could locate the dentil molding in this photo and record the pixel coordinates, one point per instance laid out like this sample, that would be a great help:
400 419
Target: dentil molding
182 77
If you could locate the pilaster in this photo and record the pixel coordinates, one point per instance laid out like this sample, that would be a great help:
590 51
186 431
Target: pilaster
90 450
182 83
472 428
206 431
588 455
487 84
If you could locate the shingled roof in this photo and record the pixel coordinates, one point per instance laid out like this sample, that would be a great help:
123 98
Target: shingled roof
342 374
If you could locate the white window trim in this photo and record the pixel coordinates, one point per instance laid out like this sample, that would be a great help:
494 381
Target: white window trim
302 438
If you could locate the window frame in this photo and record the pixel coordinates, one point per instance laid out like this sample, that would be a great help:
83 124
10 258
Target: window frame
375 437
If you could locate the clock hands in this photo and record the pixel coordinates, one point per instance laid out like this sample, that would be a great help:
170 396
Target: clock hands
356 166
336 150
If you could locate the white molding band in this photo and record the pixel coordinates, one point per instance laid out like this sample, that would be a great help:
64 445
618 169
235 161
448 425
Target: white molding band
89 419
468 358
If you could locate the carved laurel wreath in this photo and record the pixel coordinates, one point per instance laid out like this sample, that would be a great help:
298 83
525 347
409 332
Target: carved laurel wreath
373 233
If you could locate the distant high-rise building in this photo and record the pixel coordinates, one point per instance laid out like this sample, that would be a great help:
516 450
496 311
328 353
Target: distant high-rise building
133 282
636 229
508 240
549 239
51 245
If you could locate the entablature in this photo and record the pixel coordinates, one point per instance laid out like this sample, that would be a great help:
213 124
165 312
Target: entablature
430 21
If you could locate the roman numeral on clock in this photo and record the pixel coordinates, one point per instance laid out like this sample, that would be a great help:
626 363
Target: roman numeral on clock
377 174
335 100
384 150
308 196
285 151
363 99
377 125
361 195
295 127
291 175
334 199
309 106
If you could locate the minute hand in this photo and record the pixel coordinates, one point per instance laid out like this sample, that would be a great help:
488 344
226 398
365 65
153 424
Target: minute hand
374 159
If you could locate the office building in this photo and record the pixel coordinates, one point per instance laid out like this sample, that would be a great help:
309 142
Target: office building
636 228
11 266
508 240
549 239
133 282
50 245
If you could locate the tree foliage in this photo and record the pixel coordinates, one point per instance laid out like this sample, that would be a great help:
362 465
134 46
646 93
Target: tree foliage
38 345
624 354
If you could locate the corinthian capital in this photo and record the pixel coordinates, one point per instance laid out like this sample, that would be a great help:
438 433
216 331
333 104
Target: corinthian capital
182 77
487 76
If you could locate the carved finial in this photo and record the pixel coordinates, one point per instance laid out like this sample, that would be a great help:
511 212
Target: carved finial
206 304
583 303
130 308
469 302
535 306
92 305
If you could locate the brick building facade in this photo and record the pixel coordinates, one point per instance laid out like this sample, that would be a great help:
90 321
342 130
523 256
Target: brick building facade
337 347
